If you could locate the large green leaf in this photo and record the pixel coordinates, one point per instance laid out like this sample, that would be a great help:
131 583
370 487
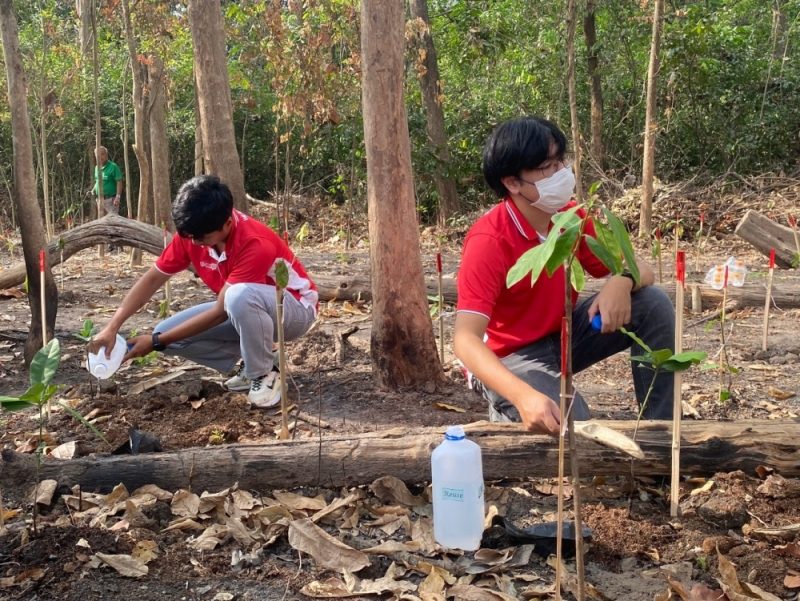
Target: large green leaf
606 240
624 241
45 363
10 403
683 361
577 277
562 251
601 252
565 219
281 274
39 393
532 261
637 340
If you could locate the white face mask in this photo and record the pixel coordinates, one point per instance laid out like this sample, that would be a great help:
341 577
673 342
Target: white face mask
555 191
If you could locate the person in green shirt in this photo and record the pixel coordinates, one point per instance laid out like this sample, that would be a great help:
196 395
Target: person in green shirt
112 181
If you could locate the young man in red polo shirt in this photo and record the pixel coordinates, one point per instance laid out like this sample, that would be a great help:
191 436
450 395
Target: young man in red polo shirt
508 338
235 256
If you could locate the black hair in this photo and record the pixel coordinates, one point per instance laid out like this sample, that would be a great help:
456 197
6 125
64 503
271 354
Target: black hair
517 145
203 205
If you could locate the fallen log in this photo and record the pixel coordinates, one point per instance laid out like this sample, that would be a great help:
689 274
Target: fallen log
764 234
338 460
111 228
128 232
752 294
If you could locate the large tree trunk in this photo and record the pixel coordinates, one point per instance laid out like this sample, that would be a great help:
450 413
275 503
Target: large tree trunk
432 95
508 452
765 234
214 97
30 216
650 125
572 18
402 345
159 148
596 98
84 8
141 129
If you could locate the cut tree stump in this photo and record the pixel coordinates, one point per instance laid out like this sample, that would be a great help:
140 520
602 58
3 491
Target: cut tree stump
764 234
337 460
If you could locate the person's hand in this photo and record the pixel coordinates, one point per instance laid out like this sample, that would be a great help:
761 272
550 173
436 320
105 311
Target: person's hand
539 413
116 200
139 346
613 303
106 338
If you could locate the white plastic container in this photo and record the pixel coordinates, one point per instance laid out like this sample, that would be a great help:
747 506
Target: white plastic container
103 366
457 491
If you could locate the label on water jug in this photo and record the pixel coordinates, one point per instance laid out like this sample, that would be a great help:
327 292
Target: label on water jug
455 492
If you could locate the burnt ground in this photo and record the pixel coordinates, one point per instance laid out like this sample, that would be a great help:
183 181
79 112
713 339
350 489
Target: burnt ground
252 551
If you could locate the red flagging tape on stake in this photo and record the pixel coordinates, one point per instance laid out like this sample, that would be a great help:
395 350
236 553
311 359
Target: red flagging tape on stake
286 236
725 281
439 262
564 346
772 258
41 261
680 267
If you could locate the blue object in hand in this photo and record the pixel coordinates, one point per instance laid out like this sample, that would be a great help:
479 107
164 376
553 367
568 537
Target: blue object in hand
597 322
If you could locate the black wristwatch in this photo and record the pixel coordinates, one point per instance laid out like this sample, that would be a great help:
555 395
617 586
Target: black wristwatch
627 274
157 346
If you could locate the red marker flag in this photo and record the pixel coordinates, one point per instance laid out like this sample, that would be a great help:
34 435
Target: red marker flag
702 218
41 261
658 233
286 236
772 258
680 267
439 262
792 221
725 281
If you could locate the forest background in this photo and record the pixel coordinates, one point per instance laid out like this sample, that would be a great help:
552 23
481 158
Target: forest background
727 99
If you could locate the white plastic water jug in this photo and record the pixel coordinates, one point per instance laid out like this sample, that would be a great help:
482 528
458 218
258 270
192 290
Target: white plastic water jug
457 490
103 366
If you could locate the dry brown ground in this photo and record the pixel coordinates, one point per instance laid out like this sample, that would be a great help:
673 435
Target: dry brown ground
635 547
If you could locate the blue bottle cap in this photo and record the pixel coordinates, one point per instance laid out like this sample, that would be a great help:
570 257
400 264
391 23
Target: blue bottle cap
597 322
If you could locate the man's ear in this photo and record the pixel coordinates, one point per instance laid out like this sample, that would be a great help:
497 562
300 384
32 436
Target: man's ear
512 183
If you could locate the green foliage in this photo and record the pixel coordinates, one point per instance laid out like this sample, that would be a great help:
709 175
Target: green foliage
146 360
87 330
664 358
281 274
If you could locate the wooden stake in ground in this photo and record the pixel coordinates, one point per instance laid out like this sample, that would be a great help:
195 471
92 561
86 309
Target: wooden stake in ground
281 281
441 307
699 251
723 356
793 224
42 303
768 300
167 288
677 409
560 502
658 255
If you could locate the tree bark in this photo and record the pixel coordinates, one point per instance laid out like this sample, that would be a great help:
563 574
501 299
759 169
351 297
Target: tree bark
596 87
575 125
764 234
30 216
507 451
431 86
402 345
214 97
650 125
159 147
84 8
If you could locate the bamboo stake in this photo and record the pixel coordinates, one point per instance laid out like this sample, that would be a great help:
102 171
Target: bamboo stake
441 307
793 224
167 288
677 409
723 358
42 297
560 502
658 255
699 242
284 434
768 299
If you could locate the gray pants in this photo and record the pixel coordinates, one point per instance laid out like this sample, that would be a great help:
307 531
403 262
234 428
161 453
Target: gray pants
539 364
248 333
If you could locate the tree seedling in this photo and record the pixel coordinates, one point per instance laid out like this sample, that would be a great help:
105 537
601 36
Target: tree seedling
87 330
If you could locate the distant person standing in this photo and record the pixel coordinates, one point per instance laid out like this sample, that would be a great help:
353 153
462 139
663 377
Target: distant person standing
112 181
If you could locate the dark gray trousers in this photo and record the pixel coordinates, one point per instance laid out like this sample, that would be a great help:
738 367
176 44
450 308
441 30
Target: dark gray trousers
539 364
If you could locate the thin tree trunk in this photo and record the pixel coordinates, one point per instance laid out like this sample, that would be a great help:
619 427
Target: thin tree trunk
431 86
595 84
159 149
214 97
650 125
198 133
85 10
572 18
402 345
125 141
43 137
30 217
98 137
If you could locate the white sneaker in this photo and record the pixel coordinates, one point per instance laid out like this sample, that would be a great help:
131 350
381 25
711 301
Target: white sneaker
265 391
239 381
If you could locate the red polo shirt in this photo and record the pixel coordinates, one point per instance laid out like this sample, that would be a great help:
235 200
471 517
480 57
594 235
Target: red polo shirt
251 252
522 314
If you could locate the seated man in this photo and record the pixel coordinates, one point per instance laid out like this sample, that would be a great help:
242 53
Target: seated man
235 256
509 338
